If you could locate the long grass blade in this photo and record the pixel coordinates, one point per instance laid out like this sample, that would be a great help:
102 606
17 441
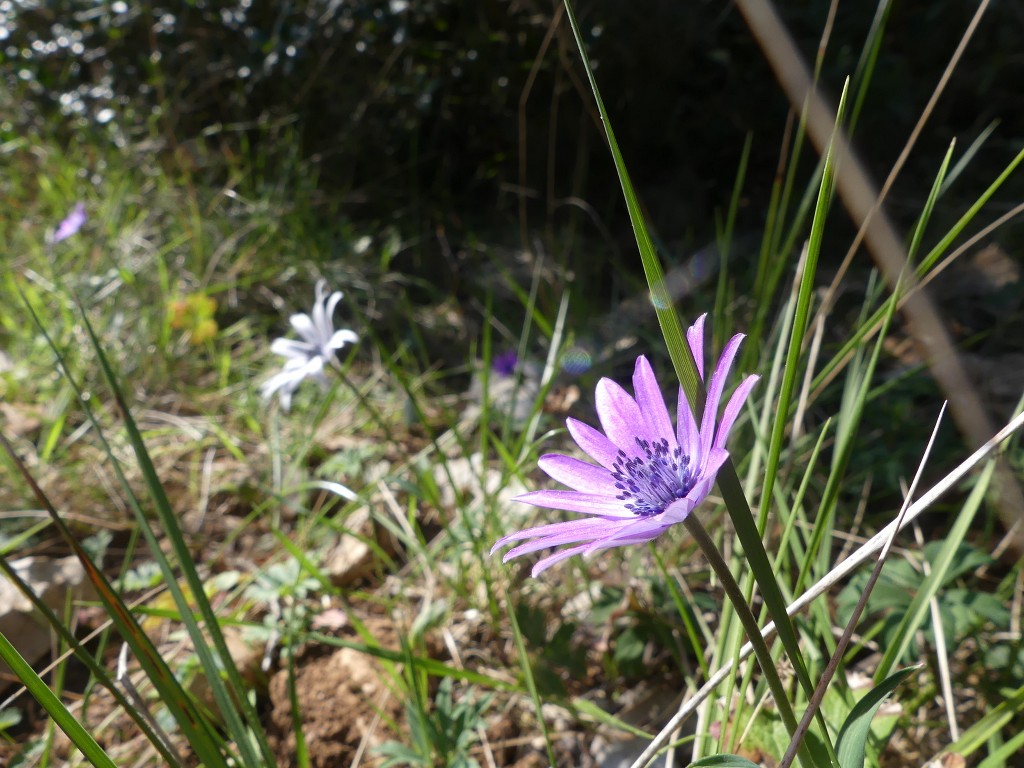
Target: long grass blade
66 721
192 723
228 702
97 670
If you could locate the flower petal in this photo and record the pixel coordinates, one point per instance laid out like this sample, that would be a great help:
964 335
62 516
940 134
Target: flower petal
686 428
651 402
292 348
544 563
695 336
679 510
732 410
330 306
285 383
71 224
340 339
709 472
594 444
279 381
574 501
637 533
563 533
620 416
305 327
579 475
715 387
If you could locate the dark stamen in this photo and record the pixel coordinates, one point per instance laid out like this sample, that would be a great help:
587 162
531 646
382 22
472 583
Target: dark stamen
653 480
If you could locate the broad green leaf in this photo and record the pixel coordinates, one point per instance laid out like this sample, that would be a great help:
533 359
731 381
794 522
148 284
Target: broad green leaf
853 736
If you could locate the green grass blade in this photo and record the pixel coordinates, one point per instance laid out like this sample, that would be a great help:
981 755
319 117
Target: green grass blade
678 349
1004 754
918 609
66 721
747 531
193 725
228 702
862 332
853 736
426 664
95 668
855 399
531 684
977 736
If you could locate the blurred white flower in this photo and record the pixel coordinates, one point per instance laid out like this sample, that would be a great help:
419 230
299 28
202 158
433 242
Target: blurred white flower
307 357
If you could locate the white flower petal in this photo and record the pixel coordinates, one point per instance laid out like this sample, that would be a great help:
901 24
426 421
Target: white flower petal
341 338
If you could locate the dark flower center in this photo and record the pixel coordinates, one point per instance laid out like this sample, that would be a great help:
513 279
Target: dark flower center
652 481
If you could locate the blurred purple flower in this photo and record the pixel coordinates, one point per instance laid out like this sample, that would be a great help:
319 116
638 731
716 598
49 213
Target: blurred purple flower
648 476
70 225
505 363
308 357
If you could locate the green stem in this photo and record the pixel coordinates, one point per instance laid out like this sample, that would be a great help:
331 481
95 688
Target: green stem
746 617
375 415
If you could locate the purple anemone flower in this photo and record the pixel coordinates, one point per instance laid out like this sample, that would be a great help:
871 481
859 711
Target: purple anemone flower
648 476
71 224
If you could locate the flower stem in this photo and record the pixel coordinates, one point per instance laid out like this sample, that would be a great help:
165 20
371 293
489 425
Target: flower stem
746 617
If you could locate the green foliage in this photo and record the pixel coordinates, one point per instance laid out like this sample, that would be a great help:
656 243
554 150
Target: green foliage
442 737
851 743
554 654
963 609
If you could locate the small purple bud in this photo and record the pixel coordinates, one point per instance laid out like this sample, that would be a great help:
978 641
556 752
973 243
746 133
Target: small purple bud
505 363
71 224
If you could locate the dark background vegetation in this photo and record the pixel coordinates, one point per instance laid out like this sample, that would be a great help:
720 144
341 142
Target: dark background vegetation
417 113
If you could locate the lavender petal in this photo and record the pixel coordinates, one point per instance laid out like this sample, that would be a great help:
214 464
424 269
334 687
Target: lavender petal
574 501
71 224
579 526
732 410
715 387
594 444
545 563
620 416
686 426
571 535
651 402
578 475
695 337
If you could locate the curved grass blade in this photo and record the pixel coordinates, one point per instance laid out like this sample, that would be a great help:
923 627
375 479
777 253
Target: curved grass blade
425 664
229 702
95 668
978 735
915 613
193 725
66 721
853 736
531 684
678 349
